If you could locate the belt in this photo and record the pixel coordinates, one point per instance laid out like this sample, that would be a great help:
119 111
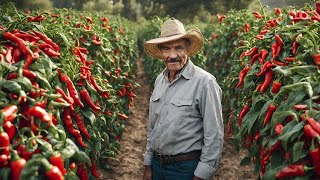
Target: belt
171 159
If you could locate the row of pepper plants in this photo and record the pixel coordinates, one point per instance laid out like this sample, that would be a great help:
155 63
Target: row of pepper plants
268 65
66 87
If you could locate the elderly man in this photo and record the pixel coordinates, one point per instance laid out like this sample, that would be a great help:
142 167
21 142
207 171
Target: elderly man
185 125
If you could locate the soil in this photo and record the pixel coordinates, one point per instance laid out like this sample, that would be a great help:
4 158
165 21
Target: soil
129 161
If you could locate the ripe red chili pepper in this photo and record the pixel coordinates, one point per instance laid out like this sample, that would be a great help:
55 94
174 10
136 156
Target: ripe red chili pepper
290 59
10 129
242 75
21 44
122 116
16 55
294 47
267 81
54 174
9 112
271 109
64 95
102 92
56 160
257 15
16 165
316 59
314 124
36 18
315 157
267 65
310 132
86 96
3 160
40 113
47 40
300 107
291 171
69 126
264 54
254 58
278 128
242 113
276 86
82 173
94 169
71 88
252 52
246 27
29 74
279 63
80 123
51 52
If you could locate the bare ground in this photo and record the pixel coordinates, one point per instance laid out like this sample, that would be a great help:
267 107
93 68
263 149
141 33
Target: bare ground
129 164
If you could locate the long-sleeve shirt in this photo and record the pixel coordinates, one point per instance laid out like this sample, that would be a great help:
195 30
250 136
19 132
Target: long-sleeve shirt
186 115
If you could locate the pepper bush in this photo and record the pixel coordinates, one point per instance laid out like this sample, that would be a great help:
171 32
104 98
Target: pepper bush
274 76
66 87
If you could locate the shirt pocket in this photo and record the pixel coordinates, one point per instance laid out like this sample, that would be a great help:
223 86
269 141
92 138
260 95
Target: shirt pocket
181 107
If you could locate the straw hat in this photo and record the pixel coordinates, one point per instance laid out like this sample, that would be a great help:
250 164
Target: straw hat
172 30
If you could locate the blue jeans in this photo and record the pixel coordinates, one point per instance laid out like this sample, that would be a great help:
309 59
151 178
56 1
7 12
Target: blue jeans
176 171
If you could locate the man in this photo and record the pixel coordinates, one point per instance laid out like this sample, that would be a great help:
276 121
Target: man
185 125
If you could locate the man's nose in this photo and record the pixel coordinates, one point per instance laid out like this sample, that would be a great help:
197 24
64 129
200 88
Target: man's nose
172 53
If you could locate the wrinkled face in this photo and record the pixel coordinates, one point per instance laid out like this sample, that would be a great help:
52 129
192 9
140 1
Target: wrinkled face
175 54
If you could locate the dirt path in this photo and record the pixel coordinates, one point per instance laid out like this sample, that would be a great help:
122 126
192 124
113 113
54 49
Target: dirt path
130 158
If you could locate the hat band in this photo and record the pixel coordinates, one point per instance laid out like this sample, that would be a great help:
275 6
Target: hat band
172 35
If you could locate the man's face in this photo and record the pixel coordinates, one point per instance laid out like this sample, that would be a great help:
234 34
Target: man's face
175 54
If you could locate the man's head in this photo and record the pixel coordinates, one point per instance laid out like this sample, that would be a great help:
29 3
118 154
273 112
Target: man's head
175 53
173 31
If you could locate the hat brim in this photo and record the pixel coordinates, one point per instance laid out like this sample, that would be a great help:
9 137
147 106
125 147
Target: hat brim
195 37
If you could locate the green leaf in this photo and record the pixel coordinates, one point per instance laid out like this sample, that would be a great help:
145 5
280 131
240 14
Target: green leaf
88 114
71 176
289 130
298 151
4 173
270 175
82 157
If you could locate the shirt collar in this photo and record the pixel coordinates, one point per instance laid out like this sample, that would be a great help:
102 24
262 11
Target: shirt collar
187 71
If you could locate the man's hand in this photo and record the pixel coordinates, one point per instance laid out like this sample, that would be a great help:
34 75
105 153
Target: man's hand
147 175
196 178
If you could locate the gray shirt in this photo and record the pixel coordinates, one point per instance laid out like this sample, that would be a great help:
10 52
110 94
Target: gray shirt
186 115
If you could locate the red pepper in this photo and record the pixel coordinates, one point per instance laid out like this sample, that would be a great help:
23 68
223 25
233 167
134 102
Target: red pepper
300 107
291 171
315 157
9 112
82 173
267 81
278 129
69 126
265 67
102 92
254 58
71 88
271 109
294 47
264 54
22 45
279 63
242 113
80 123
16 55
40 113
47 40
246 27
316 59
94 169
16 165
242 75
27 37
252 52
29 74
10 129
64 95
54 174
276 87
290 59
122 116
86 96
56 160
314 124
36 18
257 15
310 132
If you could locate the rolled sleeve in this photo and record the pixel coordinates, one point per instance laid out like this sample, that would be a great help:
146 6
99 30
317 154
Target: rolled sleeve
204 171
